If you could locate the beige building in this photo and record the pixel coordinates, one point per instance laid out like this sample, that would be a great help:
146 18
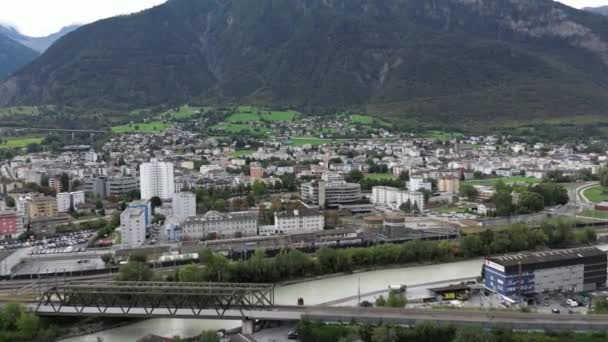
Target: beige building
42 206
449 184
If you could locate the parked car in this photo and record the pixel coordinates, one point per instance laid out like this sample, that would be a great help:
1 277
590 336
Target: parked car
555 311
292 335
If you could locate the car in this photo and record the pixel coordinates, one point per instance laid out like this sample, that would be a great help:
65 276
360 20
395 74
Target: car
555 311
292 335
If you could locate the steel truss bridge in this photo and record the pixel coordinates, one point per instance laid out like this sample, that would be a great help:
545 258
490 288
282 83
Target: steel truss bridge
252 302
154 298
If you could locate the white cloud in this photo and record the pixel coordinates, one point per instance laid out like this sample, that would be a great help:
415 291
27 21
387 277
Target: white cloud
42 17
585 3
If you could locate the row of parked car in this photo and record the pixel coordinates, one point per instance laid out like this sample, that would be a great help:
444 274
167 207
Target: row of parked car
61 241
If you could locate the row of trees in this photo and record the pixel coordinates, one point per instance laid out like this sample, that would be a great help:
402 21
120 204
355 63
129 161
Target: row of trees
295 264
319 332
18 324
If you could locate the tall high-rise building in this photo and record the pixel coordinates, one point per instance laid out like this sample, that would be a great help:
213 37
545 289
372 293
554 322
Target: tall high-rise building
156 179
184 205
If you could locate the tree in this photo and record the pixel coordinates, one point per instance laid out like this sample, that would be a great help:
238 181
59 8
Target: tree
472 334
190 274
156 202
380 301
531 202
468 191
208 336
477 175
384 334
28 325
64 180
135 270
396 300
355 176
504 202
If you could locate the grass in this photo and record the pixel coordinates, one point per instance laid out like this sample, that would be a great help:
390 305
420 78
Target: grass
299 141
183 112
594 214
148 127
508 180
380 176
19 142
252 114
368 120
20 110
596 194
242 153
441 135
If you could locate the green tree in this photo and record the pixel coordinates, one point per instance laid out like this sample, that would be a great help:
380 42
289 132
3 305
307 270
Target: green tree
472 334
504 203
156 202
64 180
355 176
135 271
531 202
28 325
208 336
468 191
384 334
190 274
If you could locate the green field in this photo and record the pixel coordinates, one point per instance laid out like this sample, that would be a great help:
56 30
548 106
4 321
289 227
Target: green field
21 110
368 120
19 142
242 153
379 176
184 112
148 127
507 180
596 194
299 141
594 214
238 128
252 114
441 135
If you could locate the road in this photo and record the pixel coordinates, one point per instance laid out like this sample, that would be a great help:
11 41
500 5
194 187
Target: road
512 320
578 202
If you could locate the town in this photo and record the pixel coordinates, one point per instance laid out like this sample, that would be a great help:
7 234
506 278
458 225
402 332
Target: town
82 211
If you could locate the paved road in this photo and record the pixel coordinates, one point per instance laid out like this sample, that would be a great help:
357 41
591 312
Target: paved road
513 320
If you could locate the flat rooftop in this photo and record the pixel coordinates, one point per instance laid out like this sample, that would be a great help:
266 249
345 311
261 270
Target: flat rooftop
545 256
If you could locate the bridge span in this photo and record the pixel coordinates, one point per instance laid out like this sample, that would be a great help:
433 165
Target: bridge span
255 302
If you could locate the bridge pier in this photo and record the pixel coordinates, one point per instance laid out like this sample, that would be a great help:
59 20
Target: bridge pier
247 327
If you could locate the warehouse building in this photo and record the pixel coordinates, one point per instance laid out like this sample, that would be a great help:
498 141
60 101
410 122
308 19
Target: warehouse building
526 273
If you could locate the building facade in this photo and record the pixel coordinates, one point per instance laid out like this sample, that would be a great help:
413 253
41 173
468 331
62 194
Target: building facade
146 206
417 182
184 205
67 200
105 187
156 180
215 225
299 220
42 206
330 193
133 226
569 270
10 224
394 198
449 184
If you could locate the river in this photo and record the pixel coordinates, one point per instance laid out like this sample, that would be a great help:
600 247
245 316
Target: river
314 292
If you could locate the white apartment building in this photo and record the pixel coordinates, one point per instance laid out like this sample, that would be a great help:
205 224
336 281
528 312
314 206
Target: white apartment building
299 220
184 205
133 226
215 225
394 198
156 179
65 200
330 193
417 182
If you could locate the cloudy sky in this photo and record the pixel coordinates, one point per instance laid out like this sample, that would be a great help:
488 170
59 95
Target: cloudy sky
42 17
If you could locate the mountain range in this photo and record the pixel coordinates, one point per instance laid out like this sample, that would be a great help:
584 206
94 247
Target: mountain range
17 50
448 61
600 10
39 44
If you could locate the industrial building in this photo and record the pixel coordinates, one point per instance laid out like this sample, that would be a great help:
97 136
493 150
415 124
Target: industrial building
527 273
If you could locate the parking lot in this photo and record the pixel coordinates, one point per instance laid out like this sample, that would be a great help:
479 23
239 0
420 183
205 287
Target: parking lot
56 244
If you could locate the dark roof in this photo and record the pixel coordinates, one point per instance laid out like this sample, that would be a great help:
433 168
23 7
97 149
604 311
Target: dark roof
546 256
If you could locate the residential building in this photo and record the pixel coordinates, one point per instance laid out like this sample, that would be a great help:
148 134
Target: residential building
449 184
215 225
184 205
526 273
417 182
42 206
133 226
331 194
394 198
67 200
10 224
256 172
156 180
299 220
486 209
146 206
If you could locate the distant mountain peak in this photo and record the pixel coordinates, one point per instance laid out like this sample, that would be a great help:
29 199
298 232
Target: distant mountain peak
39 44
603 10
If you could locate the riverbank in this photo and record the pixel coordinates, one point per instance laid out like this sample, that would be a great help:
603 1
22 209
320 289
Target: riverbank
83 328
